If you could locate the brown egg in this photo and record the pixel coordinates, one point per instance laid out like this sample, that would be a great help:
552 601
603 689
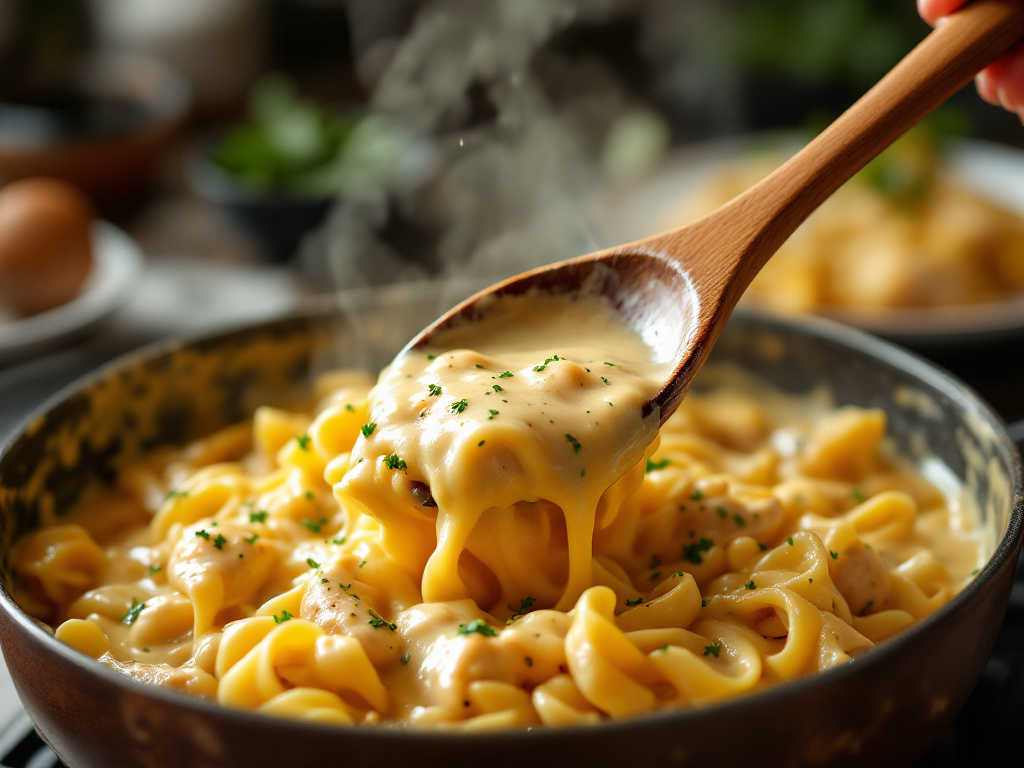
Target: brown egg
45 244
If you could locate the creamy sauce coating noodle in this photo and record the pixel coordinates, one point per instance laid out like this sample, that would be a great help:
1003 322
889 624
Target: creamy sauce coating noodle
493 536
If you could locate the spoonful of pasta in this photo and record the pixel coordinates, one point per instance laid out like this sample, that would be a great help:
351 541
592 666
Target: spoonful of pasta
677 289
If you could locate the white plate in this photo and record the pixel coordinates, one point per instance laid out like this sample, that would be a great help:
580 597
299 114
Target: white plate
117 263
991 170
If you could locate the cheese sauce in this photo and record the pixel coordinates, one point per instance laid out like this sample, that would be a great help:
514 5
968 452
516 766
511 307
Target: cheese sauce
538 402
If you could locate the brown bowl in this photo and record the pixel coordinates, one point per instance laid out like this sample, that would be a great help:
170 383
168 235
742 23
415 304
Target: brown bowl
882 709
108 140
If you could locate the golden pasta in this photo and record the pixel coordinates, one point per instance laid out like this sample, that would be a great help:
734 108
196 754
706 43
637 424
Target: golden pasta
500 538
900 234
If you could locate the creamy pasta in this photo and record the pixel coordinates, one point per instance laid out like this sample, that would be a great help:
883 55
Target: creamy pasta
498 537
900 234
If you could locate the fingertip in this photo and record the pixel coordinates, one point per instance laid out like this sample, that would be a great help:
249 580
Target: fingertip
933 10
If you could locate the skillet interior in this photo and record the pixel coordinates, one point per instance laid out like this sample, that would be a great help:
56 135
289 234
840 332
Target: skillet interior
883 709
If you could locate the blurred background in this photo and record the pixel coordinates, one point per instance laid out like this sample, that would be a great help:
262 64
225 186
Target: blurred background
171 167
255 151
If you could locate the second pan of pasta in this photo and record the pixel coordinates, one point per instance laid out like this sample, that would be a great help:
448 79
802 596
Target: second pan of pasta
249 550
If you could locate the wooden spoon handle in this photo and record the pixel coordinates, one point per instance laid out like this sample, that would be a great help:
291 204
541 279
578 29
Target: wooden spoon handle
756 223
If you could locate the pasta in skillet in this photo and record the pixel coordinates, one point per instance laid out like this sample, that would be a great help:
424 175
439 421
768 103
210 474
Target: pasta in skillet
410 552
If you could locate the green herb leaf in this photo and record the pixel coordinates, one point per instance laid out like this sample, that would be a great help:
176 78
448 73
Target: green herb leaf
377 621
219 541
637 601
479 627
695 552
259 517
367 429
393 462
713 650
133 613
655 465
312 563
433 390
574 443
458 406
282 618
303 441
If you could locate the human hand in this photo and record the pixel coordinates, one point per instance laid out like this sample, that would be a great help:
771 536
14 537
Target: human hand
1000 83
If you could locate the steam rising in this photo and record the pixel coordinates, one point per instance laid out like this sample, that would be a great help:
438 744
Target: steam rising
506 133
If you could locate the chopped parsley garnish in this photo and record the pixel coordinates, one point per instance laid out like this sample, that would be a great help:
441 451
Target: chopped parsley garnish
345 587
313 525
480 444
506 375
605 380
478 627
835 555
526 602
574 443
611 365
714 649
154 569
303 441
497 388
350 408
431 357
695 552
697 494
740 521
542 366
653 465
133 613
203 535
750 585
361 564
528 660
393 462
172 494
252 539
857 494
309 495
433 390
220 541
631 603
789 540
367 429
336 540
762 546
677 575
458 406
282 618
377 621
478 365
312 563
491 413
259 517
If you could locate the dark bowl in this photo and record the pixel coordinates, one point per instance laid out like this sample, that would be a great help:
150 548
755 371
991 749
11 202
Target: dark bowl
882 709
274 222
108 139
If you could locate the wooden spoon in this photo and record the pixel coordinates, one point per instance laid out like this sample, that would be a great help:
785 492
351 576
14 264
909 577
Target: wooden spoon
677 289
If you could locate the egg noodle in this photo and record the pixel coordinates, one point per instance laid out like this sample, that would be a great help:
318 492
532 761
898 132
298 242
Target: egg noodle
499 538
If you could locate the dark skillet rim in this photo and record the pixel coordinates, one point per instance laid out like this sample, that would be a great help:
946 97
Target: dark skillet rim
317 309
